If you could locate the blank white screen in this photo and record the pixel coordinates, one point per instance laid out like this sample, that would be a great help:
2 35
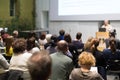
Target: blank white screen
84 9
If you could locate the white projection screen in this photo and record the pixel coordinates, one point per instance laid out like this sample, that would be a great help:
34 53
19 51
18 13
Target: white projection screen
90 10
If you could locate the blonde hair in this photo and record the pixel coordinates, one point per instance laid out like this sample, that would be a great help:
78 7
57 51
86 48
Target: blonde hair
86 58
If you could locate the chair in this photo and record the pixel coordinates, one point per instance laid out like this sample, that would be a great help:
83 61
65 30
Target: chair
113 68
15 75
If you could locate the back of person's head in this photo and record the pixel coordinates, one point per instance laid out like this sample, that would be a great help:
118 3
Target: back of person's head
62 32
112 44
2 32
8 42
48 37
62 46
31 34
42 36
86 59
15 33
96 43
19 46
89 45
4 35
39 65
30 43
112 34
106 22
54 40
78 35
67 38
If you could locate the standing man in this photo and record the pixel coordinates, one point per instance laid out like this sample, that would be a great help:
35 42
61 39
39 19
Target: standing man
61 64
107 26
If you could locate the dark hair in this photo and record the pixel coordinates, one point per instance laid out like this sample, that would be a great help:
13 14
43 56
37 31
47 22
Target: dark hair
54 40
112 44
39 65
67 38
62 32
8 43
30 43
19 46
42 36
78 35
62 45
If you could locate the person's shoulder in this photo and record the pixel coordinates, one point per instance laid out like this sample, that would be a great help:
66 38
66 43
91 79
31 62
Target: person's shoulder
95 75
53 54
27 54
76 71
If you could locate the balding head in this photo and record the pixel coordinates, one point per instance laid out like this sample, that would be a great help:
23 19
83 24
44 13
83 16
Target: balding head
62 46
39 65
106 22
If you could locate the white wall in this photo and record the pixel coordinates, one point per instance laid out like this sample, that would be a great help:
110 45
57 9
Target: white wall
41 7
116 25
87 28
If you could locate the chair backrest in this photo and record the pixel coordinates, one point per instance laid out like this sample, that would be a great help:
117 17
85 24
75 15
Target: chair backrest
113 65
15 75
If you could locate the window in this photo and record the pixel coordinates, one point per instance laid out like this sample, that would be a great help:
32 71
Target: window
12 7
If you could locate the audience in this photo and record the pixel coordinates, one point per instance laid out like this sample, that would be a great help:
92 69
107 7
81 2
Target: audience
39 65
8 47
72 50
31 46
33 35
100 60
31 62
112 54
61 64
48 38
86 61
112 35
42 40
18 62
4 65
52 44
15 34
88 45
1 42
78 42
61 34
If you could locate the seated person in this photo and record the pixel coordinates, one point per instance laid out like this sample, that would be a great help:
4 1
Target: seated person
3 63
112 55
78 42
19 59
86 60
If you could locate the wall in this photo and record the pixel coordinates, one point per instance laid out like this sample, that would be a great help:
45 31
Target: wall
42 7
27 9
4 9
23 8
88 28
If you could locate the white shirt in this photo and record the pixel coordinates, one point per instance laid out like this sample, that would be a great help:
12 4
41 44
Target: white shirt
109 28
19 62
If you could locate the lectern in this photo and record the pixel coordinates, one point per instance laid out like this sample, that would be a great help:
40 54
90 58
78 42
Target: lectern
102 35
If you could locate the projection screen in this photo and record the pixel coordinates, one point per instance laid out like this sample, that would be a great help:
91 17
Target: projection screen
90 10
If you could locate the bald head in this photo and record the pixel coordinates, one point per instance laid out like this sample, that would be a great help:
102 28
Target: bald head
106 22
62 46
39 65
